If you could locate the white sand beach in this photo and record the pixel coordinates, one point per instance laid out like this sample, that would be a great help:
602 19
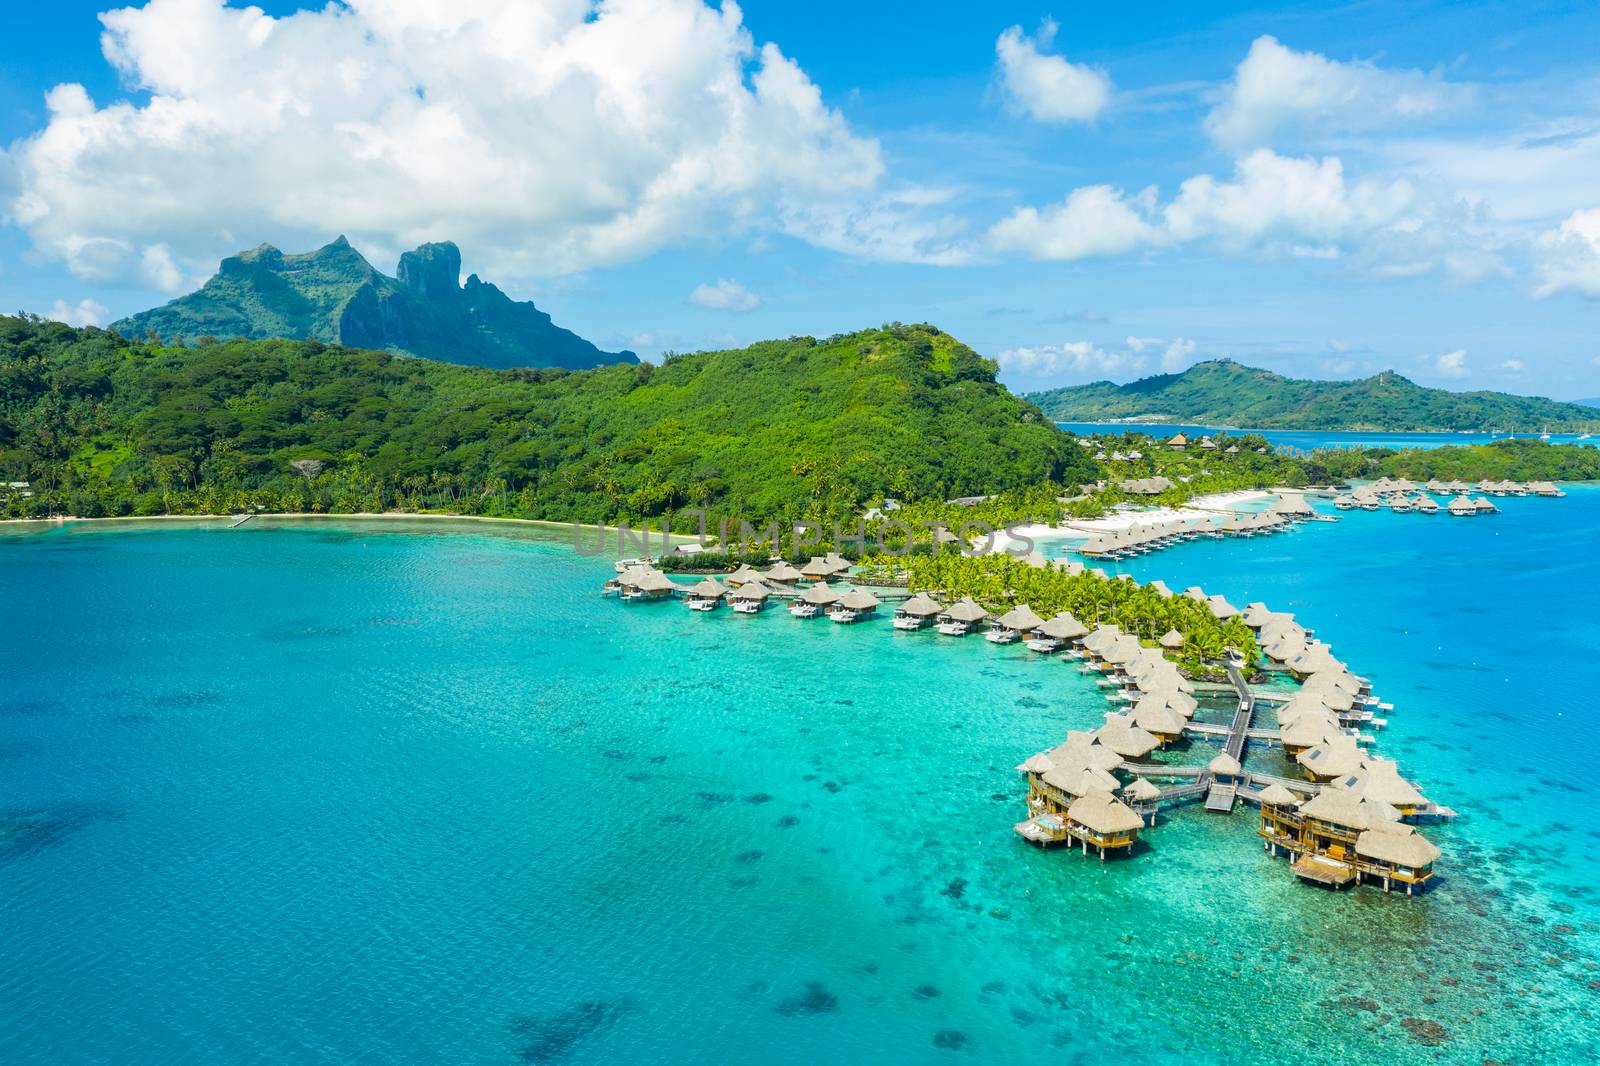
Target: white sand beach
1078 528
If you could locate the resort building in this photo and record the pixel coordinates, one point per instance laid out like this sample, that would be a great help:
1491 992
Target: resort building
750 598
706 596
853 606
814 600
645 583
1020 621
920 610
1062 630
1337 838
784 573
961 618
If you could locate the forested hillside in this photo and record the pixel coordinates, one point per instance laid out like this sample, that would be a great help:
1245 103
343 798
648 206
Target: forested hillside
797 428
1224 393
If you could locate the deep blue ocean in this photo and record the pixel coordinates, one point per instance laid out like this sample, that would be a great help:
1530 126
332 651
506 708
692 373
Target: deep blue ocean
389 792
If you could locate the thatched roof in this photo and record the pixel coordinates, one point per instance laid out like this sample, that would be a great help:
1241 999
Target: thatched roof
1334 757
1339 807
1020 617
1141 789
821 594
1172 639
1063 627
920 606
752 590
1278 796
1380 780
1127 739
784 571
650 581
817 566
859 600
710 588
964 610
1225 765
1155 715
1103 814
1399 844
743 574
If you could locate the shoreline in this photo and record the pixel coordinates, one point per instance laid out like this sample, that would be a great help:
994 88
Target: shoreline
1199 507
380 516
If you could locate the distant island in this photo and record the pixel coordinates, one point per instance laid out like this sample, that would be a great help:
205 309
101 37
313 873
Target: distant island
1222 392
335 296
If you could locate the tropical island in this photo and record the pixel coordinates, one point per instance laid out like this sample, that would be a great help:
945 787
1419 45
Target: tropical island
790 430
1221 392
335 296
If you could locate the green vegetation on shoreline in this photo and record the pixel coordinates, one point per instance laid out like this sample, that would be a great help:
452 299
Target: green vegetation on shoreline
784 430
1000 581
1223 392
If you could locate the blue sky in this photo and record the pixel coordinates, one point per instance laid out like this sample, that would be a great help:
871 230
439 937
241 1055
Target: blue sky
1323 191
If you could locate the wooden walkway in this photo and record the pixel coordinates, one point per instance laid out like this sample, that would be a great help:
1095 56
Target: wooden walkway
1222 794
241 520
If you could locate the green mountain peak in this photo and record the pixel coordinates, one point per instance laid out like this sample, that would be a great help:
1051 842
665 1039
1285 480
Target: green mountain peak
332 294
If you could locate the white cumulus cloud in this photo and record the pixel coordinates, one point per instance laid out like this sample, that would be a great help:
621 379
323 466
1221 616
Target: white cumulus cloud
1083 358
85 312
1275 205
725 295
1092 222
1044 86
543 135
1452 365
1568 256
1276 88
1513 366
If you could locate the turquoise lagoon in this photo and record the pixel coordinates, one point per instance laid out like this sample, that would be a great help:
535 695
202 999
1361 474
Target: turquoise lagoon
402 792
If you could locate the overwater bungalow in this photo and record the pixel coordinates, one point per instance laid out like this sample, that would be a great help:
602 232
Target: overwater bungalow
644 583
1334 758
1462 507
840 564
1345 502
1122 651
1159 716
1396 854
1338 839
1379 780
1225 766
1427 505
1062 630
961 617
1306 730
1544 488
706 596
1101 821
817 569
1125 737
1313 659
814 600
920 610
1101 639
783 573
853 606
1484 506
743 574
750 597
1141 796
1020 621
